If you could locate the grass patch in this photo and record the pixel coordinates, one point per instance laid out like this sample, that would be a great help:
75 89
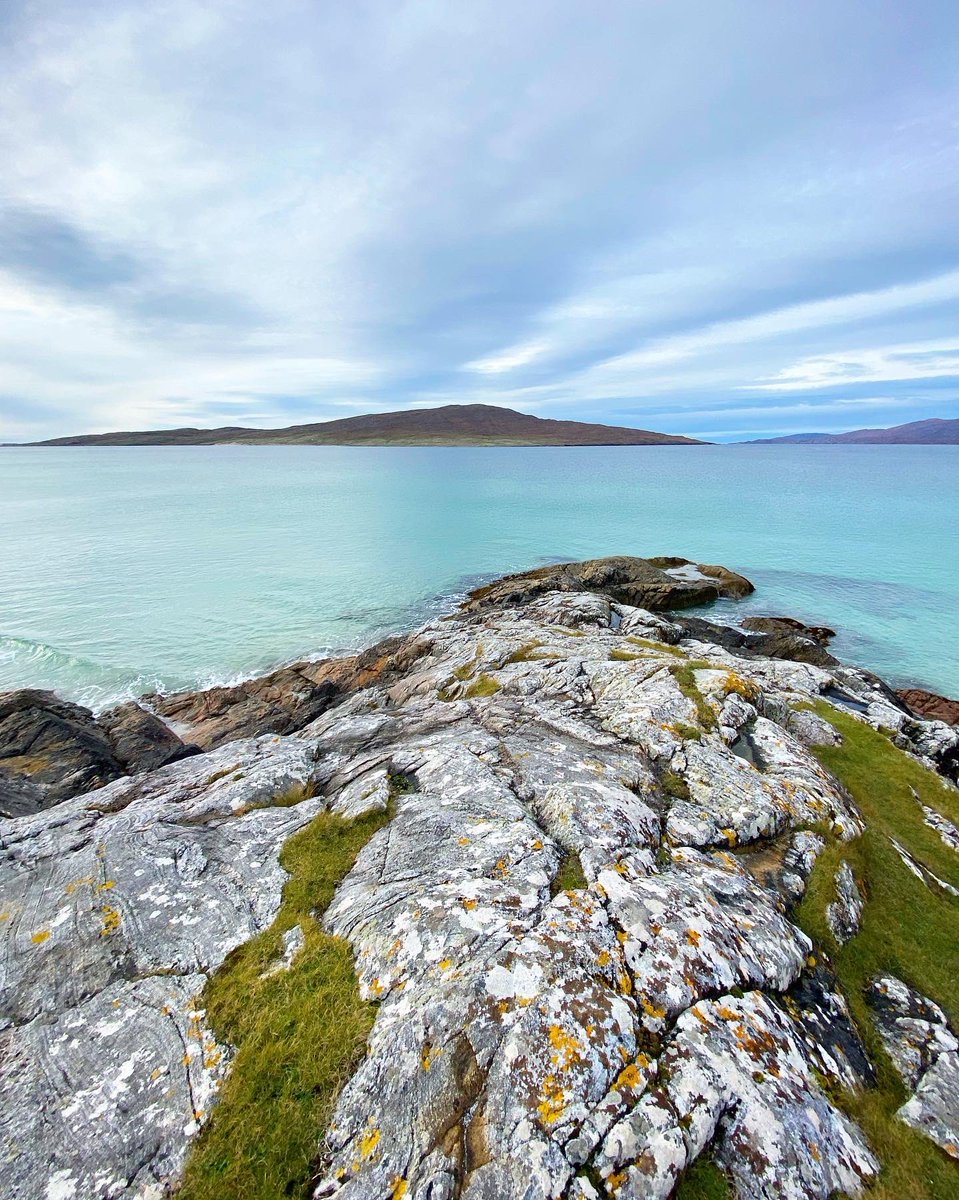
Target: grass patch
217 775
486 685
298 1033
570 874
689 733
685 676
528 653
624 656
659 647
703 1181
293 795
674 785
908 930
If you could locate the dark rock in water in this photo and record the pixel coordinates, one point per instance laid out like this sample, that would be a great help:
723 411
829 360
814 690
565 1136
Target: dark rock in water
790 626
140 740
56 745
285 700
51 749
929 705
655 584
778 641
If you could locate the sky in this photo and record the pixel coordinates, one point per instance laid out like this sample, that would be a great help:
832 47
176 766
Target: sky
722 218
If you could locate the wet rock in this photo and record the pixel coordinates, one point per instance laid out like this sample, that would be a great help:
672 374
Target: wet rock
654 584
19 795
925 1052
56 745
790 626
844 914
777 639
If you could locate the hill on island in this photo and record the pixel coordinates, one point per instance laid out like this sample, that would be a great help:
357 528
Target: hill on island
451 425
935 432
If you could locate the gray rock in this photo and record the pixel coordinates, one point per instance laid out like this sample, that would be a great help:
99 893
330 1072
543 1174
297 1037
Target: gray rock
925 1052
844 914
523 1041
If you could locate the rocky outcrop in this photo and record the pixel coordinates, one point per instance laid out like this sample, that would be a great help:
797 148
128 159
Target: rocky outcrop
844 914
526 1044
925 1052
930 706
284 700
51 749
651 583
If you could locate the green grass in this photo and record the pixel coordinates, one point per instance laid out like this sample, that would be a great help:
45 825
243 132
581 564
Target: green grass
486 685
298 1033
659 647
624 656
685 676
908 930
570 874
703 1181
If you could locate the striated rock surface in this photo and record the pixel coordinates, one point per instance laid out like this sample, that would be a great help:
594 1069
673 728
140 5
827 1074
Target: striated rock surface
527 1045
51 749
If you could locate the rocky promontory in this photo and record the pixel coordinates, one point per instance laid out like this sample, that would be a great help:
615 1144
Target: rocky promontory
569 894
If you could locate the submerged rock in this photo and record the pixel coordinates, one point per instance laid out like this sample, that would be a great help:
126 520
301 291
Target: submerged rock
530 1041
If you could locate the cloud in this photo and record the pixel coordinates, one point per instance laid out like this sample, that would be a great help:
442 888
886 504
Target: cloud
302 210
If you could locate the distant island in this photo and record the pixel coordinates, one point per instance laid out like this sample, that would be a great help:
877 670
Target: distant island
450 425
935 432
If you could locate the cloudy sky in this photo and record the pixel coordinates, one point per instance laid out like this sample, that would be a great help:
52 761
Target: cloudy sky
722 217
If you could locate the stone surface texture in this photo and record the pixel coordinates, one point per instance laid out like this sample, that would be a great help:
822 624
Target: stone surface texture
925 1052
529 1042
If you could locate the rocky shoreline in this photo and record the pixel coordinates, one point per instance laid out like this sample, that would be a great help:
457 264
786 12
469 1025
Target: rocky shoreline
539 1031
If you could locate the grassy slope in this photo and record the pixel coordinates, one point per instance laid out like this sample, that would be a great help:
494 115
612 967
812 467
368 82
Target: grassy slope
298 1033
908 930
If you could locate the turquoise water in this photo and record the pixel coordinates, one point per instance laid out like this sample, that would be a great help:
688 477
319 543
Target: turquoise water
125 569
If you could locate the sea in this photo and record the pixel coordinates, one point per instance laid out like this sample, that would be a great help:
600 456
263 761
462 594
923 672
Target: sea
131 569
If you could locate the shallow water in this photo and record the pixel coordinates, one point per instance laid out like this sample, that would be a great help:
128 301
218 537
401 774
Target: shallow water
125 569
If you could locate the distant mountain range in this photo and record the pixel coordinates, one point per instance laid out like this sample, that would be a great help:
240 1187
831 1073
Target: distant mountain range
451 425
935 432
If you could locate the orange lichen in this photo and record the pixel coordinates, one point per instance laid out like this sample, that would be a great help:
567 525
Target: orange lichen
40 936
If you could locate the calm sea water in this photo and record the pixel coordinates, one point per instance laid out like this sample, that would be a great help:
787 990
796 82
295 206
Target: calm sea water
123 570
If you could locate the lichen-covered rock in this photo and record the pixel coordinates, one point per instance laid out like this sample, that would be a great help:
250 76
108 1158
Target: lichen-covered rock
114 908
529 1037
925 1052
844 914
734 1075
